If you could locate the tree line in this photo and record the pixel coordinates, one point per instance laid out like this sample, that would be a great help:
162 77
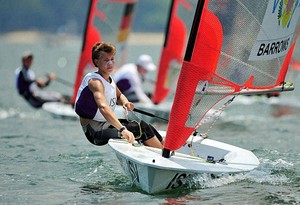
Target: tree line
53 15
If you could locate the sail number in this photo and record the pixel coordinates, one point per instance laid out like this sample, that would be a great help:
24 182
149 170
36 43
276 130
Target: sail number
177 181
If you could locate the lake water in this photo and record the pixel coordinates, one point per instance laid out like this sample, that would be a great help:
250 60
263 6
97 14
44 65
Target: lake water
49 161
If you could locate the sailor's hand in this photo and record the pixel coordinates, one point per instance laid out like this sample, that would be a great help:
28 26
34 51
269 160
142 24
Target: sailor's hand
128 135
40 82
51 76
129 106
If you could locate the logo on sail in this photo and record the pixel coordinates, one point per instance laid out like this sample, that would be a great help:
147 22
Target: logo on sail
277 30
285 12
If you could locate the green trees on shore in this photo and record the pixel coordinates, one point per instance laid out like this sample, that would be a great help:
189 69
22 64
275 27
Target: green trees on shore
70 15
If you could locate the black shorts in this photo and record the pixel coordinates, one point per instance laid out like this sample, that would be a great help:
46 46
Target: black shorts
142 132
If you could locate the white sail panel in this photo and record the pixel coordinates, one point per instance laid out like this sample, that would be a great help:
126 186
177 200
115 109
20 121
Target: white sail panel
276 34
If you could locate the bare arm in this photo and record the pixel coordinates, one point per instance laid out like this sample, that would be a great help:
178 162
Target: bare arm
44 83
122 100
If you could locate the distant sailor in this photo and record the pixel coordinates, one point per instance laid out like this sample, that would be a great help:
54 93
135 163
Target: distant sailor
130 76
29 86
97 98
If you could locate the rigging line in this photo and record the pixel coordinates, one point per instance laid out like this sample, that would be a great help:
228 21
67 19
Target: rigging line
220 111
149 114
205 135
64 82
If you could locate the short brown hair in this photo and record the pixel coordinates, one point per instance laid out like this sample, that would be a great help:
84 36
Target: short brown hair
104 47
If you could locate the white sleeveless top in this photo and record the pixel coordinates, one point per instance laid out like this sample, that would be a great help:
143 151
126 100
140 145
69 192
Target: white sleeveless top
85 105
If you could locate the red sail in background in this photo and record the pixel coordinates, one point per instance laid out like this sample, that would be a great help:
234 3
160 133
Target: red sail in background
173 49
126 23
92 35
295 64
125 29
97 29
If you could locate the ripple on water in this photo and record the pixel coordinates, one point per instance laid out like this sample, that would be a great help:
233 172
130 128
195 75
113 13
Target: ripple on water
13 136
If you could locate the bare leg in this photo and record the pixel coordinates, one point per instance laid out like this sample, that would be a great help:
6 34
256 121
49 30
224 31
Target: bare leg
153 142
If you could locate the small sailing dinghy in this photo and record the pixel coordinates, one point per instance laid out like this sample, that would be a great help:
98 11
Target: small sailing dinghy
244 49
107 20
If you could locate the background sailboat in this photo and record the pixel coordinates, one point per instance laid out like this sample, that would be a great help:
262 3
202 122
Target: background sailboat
226 55
107 20
176 35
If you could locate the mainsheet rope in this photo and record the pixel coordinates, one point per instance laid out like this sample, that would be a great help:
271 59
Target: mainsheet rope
216 113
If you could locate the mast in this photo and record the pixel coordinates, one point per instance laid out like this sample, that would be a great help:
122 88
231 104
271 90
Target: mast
87 20
190 47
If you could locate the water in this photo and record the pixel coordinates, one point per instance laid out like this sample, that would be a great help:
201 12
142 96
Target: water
49 161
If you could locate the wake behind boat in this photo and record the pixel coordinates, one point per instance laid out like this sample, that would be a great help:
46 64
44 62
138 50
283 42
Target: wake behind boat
231 51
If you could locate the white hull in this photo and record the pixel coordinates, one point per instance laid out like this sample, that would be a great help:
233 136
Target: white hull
154 173
60 110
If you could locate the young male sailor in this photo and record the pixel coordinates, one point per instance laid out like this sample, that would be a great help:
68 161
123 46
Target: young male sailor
30 87
97 98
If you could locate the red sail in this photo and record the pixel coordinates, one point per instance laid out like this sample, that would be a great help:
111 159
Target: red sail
173 49
91 36
202 65
98 29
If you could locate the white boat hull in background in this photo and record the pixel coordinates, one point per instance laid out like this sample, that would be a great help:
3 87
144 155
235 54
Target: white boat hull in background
66 111
161 110
154 173
60 110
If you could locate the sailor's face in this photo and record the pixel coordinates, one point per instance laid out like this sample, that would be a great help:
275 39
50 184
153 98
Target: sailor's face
106 61
27 62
